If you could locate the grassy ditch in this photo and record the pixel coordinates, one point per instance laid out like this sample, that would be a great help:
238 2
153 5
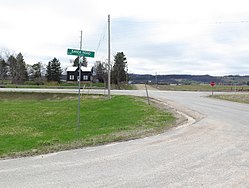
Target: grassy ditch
34 123
241 98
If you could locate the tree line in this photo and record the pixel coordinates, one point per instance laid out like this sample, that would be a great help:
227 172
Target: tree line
14 68
119 70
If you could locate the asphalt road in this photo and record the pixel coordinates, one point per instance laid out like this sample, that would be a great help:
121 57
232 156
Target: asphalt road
212 152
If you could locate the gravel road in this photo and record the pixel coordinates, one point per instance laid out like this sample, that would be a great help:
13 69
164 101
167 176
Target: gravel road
211 151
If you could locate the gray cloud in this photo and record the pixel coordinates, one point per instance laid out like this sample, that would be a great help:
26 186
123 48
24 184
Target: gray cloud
154 40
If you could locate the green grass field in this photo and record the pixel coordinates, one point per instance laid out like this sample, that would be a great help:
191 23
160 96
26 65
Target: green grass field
33 123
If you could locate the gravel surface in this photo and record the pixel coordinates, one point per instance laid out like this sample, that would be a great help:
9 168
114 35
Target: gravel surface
211 150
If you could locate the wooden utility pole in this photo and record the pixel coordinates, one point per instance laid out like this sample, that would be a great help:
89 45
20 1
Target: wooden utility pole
156 80
109 59
148 98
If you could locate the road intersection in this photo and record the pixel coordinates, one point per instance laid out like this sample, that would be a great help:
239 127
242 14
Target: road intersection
213 151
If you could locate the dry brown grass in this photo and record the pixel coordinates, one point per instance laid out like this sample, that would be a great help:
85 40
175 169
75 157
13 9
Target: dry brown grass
241 98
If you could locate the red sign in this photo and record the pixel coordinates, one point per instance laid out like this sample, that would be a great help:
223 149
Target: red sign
212 84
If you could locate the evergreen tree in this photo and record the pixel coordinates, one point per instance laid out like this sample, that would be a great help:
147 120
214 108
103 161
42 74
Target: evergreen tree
54 70
13 68
76 62
119 73
49 72
17 69
22 74
3 69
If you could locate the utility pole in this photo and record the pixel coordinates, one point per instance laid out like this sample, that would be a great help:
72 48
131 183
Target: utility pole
109 59
156 79
79 78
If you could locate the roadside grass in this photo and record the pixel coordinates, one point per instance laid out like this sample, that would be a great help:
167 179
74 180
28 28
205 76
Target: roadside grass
204 87
35 123
62 85
241 98
66 85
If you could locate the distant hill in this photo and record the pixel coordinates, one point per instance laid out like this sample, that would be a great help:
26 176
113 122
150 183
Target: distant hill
189 79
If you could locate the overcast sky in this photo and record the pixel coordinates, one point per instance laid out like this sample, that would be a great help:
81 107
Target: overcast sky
163 36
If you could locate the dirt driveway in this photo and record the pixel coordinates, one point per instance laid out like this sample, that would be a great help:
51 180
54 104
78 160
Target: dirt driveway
142 87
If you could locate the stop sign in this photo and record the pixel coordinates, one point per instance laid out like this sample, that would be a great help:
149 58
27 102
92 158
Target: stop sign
212 84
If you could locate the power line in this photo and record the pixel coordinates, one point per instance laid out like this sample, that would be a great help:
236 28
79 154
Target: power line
102 38
180 23
233 22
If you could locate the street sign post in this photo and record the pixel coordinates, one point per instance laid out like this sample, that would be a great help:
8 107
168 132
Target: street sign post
80 53
212 84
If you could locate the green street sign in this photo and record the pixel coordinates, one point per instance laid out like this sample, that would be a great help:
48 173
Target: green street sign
80 53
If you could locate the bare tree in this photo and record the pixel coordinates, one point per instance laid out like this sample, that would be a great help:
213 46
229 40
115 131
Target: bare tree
35 72
100 70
